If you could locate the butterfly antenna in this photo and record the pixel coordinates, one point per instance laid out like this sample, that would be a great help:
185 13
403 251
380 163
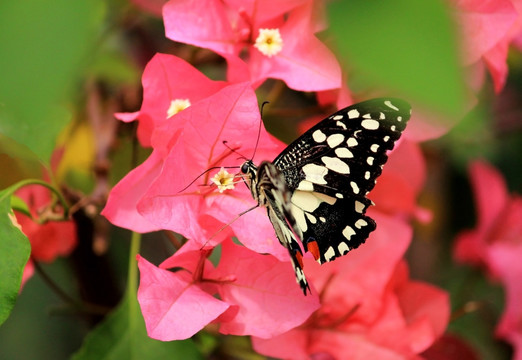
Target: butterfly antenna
206 171
234 150
259 129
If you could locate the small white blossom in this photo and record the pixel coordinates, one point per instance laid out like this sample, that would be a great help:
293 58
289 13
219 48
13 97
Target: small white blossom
176 106
269 42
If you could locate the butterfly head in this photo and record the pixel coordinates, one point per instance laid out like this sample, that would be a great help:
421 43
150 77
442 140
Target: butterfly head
248 168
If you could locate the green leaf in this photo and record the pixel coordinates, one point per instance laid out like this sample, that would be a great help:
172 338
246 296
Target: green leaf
20 205
45 45
14 253
123 336
407 46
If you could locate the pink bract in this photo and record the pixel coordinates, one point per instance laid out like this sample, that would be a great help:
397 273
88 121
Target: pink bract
230 27
259 295
370 309
496 245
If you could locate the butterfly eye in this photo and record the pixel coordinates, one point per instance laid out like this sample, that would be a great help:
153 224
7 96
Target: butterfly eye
244 168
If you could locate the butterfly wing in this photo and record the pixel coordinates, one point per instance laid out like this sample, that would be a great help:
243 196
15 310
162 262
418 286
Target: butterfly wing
330 169
275 194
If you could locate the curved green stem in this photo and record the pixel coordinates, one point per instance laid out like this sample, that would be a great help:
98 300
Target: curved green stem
13 188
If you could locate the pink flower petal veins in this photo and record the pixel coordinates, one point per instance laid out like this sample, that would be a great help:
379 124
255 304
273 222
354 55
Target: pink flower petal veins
167 78
270 301
121 206
173 307
227 28
231 114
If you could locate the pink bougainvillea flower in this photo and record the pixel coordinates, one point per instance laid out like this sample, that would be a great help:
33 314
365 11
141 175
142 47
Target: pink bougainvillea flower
487 28
257 296
230 115
157 195
370 309
276 39
496 245
170 84
50 239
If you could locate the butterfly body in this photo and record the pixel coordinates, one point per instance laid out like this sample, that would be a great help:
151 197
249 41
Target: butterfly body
315 190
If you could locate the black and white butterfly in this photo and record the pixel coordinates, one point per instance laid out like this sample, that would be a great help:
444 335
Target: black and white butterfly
315 190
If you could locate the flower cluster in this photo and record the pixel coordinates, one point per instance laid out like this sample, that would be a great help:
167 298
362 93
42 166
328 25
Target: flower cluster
496 244
362 305
49 239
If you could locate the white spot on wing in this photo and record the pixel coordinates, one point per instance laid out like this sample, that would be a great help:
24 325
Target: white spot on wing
374 147
343 153
390 105
359 207
299 216
336 164
360 223
329 254
315 173
351 142
343 248
367 175
339 195
305 186
311 218
310 201
369 160
386 138
322 219
355 187
337 117
334 140
319 136
348 232
341 124
353 114
370 124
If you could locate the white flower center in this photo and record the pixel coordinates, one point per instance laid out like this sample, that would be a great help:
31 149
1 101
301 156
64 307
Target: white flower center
176 106
223 180
269 42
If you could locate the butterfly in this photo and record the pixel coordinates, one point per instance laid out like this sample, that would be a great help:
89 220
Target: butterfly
316 189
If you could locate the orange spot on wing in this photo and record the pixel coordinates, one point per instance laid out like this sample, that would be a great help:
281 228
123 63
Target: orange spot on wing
299 258
314 249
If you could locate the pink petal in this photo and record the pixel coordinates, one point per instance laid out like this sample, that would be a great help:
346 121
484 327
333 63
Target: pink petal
483 25
304 63
121 205
173 307
203 23
167 78
269 299
127 117
490 192
48 240
504 259
231 114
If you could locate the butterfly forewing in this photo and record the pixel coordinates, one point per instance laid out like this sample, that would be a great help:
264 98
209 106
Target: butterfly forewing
328 172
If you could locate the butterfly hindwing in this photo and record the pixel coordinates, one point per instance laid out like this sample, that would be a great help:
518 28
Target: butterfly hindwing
331 168
315 190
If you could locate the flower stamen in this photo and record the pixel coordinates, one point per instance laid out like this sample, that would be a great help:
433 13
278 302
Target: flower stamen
176 106
223 180
269 42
